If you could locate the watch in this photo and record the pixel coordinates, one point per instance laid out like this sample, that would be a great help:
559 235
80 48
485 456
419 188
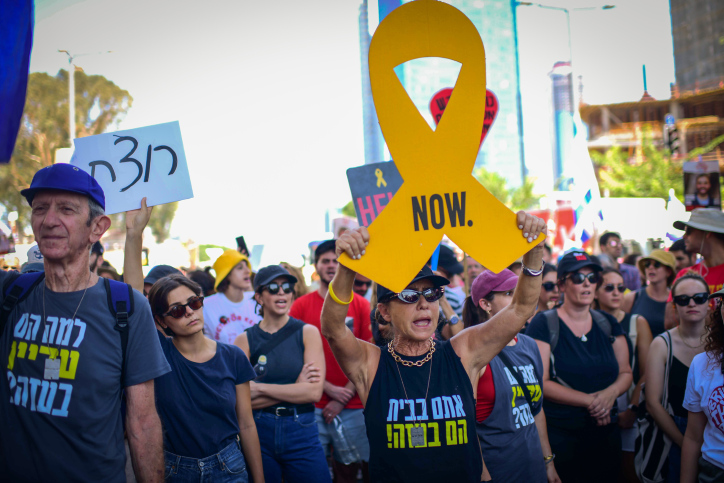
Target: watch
454 319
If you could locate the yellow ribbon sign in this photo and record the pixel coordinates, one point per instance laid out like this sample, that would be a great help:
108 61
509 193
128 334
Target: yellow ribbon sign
439 194
380 180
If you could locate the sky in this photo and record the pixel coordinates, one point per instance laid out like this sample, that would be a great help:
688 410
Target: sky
268 94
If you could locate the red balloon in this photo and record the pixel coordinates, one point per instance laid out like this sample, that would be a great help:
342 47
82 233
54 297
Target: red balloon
439 101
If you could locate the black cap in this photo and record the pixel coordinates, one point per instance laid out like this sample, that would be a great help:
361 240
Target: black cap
324 247
97 248
448 261
267 275
573 261
160 271
425 274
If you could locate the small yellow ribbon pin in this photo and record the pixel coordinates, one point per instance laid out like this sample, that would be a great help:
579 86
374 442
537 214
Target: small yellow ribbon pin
380 180
439 194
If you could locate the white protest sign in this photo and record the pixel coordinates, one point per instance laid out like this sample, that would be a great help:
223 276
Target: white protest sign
129 165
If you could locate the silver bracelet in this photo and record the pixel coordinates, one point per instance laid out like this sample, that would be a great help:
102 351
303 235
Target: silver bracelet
533 273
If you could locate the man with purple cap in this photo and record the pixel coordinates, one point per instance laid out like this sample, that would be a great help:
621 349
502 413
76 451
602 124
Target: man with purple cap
60 404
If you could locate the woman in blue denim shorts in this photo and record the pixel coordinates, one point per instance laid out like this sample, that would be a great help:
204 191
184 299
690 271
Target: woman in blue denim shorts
204 403
288 358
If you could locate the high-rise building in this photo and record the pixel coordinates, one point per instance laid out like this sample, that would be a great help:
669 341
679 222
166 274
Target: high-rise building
502 150
373 141
562 132
698 43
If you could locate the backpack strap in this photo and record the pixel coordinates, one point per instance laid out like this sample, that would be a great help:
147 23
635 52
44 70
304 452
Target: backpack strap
603 323
120 303
553 327
16 291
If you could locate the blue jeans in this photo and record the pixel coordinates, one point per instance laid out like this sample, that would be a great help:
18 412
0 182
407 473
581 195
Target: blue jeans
227 466
355 429
290 447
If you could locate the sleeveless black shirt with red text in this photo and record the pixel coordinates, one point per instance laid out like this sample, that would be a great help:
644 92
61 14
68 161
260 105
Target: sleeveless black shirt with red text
450 448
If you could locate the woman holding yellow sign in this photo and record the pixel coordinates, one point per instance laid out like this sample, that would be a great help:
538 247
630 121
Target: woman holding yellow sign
418 391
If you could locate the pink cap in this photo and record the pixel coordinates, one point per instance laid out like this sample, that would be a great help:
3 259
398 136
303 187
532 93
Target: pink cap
488 282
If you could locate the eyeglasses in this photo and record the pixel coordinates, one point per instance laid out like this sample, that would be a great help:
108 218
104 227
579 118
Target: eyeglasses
578 278
609 287
178 311
549 286
273 288
656 264
699 299
360 283
614 243
410 296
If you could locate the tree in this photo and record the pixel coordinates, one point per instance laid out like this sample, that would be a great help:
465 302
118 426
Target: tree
650 175
160 222
520 198
99 104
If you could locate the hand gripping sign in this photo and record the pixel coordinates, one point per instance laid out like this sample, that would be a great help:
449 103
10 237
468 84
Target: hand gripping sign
439 194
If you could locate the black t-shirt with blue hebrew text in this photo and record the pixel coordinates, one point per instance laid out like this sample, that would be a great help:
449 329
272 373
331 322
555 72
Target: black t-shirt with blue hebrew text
449 449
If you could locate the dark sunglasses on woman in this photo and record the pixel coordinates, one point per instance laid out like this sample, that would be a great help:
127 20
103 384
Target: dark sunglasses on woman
410 296
656 264
609 287
273 288
578 278
178 311
699 299
548 286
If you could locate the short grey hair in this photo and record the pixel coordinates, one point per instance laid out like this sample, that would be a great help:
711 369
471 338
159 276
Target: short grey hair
94 210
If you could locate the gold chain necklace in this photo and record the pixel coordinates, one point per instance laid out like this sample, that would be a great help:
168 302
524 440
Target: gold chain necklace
406 363
687 345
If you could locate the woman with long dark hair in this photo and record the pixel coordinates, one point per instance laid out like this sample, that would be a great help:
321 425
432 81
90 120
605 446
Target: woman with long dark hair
701 453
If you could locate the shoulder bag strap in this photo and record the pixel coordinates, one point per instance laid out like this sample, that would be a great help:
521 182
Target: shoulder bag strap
505 360
286 331
669 359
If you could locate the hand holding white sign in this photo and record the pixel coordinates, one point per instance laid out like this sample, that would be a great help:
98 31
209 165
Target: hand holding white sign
130 165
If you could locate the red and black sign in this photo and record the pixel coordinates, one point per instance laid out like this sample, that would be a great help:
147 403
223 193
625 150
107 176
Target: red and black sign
439 103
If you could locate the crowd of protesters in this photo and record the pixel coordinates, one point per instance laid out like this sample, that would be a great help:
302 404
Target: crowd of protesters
582 368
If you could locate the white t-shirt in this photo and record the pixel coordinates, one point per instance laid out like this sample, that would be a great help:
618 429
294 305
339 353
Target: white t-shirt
224 319
705 392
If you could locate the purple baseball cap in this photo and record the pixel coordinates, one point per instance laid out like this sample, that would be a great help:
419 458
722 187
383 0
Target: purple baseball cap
65 177
488 282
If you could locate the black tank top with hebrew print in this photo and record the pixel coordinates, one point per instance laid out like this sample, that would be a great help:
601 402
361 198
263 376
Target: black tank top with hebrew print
443 445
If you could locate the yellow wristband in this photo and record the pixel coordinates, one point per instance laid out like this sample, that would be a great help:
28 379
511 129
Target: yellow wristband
336 299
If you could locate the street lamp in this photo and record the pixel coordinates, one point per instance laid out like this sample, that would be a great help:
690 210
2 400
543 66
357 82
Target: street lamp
567 11
71 88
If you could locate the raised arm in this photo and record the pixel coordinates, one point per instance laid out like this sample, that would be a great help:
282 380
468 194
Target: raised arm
136 222
358 359
477 345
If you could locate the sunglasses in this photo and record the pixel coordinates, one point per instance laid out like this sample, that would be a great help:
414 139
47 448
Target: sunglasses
549 286
410 296
609 287
359 283
273 288
699 299
178 311
578 278
656 264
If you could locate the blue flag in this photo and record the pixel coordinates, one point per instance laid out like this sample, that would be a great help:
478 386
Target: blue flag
16 41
